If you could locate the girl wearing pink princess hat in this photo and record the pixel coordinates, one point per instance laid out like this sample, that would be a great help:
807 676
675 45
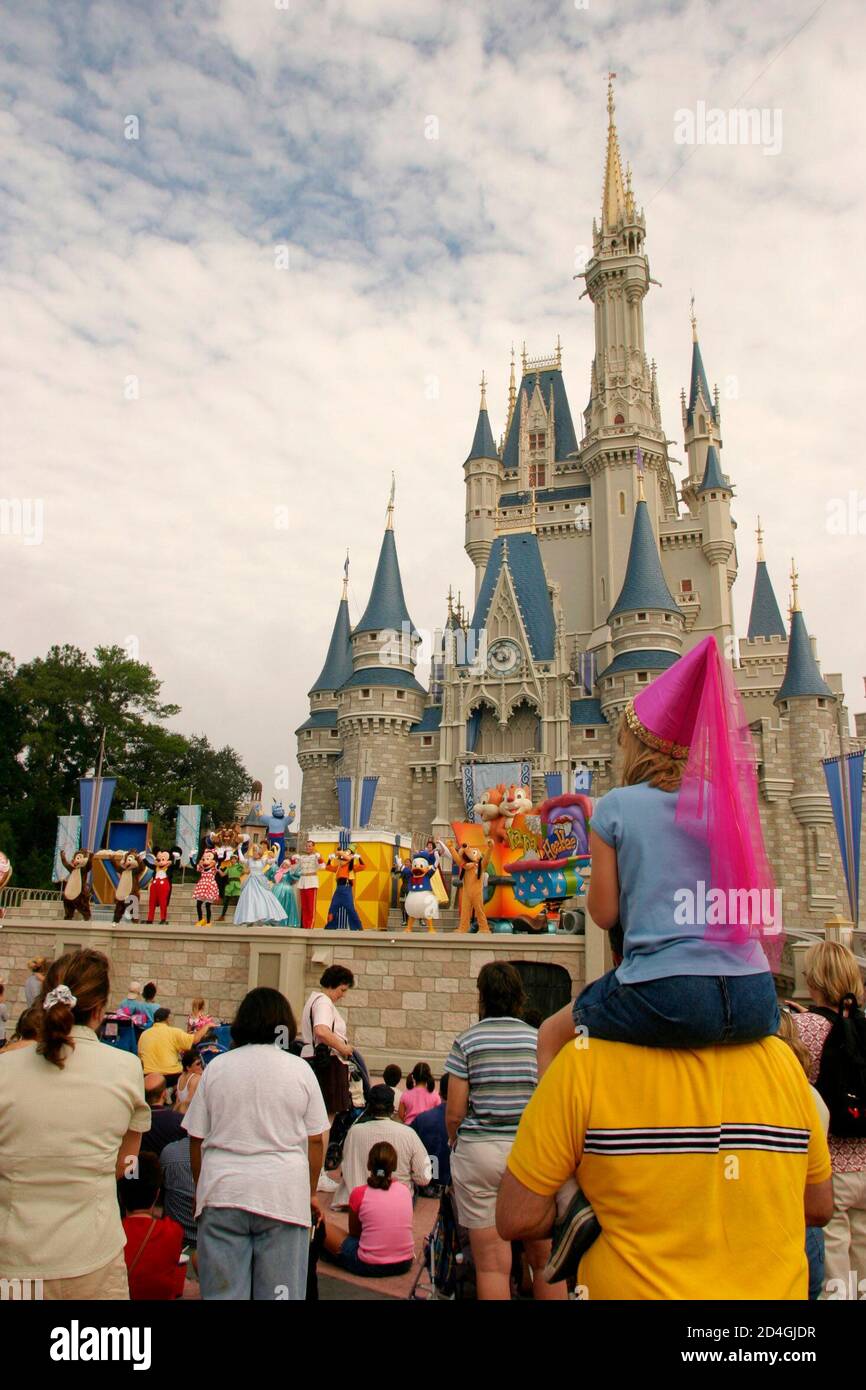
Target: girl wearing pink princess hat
678 861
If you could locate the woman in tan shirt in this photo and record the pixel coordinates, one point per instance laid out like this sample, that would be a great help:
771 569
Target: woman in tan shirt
72 1113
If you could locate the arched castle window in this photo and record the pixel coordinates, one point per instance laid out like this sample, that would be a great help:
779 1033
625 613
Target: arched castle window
622 504
619 419
702 424
602 588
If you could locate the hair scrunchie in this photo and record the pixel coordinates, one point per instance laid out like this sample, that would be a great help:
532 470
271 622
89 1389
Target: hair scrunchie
61 994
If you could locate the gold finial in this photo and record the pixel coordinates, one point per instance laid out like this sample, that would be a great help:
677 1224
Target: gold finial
523 356
693 320
450 603
483 391
389 524
760 534
558 352
795 588
613 201
610 81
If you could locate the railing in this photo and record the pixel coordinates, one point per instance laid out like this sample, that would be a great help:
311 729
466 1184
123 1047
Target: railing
14 897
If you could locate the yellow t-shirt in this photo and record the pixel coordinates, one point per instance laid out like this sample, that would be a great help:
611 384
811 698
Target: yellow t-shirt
695 1164
161 1047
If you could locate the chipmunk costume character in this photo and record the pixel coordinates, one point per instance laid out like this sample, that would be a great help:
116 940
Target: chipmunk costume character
342 914
130 867
75 893
472 862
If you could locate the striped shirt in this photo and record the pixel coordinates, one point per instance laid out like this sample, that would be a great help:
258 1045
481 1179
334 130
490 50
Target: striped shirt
497 1056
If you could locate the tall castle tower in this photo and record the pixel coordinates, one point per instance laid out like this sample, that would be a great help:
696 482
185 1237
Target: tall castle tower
592 572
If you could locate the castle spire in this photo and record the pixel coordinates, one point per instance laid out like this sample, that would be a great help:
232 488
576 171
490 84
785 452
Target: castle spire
644 585
802 676
765 620
389 524
483 444
613 206
386 608
512 394
338 662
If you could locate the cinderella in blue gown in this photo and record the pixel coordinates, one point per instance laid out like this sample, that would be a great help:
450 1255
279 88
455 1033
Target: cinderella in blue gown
257 904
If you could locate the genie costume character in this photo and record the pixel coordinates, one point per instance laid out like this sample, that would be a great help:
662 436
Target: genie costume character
277 830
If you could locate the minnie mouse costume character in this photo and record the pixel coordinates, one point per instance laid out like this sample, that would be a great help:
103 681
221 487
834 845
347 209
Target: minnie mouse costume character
206 891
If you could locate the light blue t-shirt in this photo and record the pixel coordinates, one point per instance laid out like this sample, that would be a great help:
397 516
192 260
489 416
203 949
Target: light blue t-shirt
664 877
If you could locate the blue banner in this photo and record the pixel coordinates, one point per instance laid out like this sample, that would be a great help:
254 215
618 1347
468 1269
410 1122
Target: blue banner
344 799
136 813
553 784
95 805
848 826
68 840
368 796
186 832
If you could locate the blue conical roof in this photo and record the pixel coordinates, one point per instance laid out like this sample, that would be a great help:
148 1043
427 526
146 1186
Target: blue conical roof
565 441
765 620
520 551
713 476
698 385
483 444
387 606
802 677
338 662
644 585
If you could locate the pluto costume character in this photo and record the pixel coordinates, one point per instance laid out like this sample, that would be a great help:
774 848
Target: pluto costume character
472 862
421 903
76 888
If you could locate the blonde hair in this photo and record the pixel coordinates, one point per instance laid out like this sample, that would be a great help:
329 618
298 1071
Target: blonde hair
640 763
832 971
789 1034
197 1006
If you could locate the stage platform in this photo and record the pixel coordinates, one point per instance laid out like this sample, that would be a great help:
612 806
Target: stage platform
413 992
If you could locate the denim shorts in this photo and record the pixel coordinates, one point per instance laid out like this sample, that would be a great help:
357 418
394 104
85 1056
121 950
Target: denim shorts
350 1260
680 1011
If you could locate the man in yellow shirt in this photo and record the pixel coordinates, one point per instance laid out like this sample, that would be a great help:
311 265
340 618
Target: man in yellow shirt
161 1047
703 1168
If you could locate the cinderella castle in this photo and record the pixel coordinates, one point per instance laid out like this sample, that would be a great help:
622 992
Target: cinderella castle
595 570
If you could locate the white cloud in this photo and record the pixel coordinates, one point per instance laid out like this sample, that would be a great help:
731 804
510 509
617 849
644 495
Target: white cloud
410 259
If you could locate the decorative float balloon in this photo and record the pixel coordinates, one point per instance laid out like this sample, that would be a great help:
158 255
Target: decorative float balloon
553 874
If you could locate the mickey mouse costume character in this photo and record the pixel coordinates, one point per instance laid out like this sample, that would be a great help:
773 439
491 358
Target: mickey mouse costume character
75 894
165 864
342 914
421 903
473 863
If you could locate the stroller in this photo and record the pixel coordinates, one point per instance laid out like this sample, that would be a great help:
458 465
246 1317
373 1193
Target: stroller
344 1121
446 1271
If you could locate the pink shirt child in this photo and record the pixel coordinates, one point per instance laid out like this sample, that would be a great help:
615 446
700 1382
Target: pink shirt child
386 1223
416 1101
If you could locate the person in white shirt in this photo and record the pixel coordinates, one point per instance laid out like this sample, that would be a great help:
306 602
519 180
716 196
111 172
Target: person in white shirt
378 1126
309 864
257 1126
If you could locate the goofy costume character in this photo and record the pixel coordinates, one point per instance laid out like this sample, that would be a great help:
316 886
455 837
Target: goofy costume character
342 914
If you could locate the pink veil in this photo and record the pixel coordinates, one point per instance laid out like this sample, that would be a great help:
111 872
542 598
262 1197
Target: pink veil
718 804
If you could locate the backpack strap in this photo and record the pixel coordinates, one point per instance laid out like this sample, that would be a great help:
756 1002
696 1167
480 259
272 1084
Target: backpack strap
140 1251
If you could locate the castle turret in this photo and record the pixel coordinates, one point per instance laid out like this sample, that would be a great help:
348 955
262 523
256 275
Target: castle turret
701 425
765 620
381 700
318 737
482 472
646 624
763 653
717 530
809 705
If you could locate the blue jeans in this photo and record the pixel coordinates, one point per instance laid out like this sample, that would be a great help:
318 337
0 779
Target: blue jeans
243 1255
680 1011
815 1256
350 1260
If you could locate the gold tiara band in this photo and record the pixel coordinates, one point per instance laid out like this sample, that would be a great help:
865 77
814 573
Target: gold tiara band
661 745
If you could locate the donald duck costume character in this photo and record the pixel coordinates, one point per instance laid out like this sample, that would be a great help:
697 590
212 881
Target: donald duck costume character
421 902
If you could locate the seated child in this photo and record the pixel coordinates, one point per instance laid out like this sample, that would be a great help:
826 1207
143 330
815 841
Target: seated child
392 1076
419 1095
686 979
380 1241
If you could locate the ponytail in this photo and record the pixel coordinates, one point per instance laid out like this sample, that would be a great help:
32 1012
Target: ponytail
421 1075
381 1162
75 986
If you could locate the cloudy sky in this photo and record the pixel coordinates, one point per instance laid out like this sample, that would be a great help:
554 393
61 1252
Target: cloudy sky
241 283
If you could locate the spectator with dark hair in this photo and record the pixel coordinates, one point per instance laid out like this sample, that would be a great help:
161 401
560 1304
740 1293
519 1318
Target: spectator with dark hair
420 1093
378 1125
72 1113
326 1046
26 1030
432 1130
257 1126
534 1017
392 1076
380 1239
161 1047
148 996
153 1243
166 1125
193 1067
493 1069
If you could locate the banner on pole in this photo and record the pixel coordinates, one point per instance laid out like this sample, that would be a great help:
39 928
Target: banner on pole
368 796
344 800
187 830
846 800
68 840
553 784
136 814
96 794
